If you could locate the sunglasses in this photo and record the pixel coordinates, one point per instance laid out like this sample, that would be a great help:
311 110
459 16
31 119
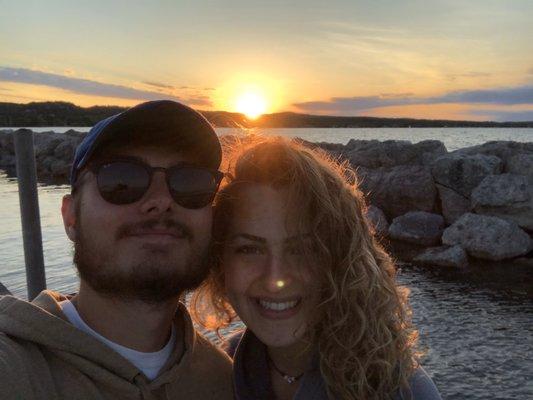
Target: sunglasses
126 181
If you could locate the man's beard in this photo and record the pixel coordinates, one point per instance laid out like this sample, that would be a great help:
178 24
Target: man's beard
150 280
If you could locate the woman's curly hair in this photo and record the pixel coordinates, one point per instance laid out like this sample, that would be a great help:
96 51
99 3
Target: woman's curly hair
362 330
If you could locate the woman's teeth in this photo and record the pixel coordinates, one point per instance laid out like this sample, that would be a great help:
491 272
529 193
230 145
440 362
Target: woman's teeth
277 306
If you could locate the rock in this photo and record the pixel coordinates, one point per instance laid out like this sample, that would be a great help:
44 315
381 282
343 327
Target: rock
507 196
6 142
504 150
3 290
462 173
65 150
399 190
44 166
521 164
487 237
60 169
378 220
391 153
417 227
453 205
444 256
7 161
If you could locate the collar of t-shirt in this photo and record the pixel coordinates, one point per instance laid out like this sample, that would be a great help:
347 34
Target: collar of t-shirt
149 363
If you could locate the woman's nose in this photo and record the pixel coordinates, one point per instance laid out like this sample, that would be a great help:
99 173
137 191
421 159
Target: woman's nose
277 276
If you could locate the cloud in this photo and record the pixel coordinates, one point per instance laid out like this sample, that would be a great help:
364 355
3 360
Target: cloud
504 96
203 101
530 71
77 85
471 74
159 85
504 116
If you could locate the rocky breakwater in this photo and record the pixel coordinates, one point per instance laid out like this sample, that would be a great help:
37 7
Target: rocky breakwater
428 205
53 153
449 209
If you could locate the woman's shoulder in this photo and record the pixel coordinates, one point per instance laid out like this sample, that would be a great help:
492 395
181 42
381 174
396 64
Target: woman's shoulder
421 387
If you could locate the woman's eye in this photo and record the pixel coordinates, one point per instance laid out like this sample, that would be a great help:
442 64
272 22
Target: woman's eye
295 251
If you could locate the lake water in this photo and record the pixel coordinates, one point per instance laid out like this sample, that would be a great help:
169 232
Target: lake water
476 325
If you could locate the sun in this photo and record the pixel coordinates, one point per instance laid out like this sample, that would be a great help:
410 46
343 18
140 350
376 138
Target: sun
251 104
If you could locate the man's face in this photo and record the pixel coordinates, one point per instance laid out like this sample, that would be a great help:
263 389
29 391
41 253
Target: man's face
150 250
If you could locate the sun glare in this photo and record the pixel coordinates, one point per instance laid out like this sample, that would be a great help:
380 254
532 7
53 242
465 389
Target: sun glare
251 104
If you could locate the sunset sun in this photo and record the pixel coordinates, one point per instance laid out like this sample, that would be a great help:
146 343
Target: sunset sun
251 104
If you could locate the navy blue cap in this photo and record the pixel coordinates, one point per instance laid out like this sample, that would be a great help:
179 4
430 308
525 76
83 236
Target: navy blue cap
166 117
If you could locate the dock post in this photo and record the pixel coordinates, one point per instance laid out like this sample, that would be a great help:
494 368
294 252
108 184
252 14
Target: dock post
29 210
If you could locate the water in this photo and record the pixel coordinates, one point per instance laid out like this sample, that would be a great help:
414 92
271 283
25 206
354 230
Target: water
453 138
477 326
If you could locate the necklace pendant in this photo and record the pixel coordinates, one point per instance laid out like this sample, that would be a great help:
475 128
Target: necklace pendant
289 379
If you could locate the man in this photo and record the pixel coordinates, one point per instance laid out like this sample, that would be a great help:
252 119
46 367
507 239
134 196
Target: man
139 215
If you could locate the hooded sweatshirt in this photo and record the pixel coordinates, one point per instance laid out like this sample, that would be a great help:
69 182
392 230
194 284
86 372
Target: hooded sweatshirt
43 356
251 375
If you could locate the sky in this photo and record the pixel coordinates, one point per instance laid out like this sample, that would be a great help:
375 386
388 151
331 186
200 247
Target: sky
444 59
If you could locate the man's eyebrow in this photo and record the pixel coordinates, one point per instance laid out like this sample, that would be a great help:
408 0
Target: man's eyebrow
248 237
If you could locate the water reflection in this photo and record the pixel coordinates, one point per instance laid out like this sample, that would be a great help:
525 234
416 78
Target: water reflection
476 326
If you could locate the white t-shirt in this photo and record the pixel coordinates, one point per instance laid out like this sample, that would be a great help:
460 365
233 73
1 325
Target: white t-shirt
149 363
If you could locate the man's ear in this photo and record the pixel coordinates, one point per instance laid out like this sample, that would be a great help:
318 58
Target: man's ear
68 211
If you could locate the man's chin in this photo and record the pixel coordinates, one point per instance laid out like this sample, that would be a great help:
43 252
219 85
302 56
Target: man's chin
142 287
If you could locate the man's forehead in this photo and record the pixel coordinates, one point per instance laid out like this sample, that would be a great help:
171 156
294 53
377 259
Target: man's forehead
146 153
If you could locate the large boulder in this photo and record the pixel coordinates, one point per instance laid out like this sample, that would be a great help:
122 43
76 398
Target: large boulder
520 164
399 190
444 256
486 237
4 290
65 150
504 150
462 173
378 220
417 227
391 153
453 205
507 196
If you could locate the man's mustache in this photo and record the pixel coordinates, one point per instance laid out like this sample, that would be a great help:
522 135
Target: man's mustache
174 227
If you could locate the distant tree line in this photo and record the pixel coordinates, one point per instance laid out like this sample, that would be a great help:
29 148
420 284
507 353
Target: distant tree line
49 114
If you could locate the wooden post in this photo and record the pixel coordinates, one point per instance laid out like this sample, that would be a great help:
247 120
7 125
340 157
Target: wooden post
29 210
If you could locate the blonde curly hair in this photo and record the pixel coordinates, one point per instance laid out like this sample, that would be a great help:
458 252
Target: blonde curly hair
363 335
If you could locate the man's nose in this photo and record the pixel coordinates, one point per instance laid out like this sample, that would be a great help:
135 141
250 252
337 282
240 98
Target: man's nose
277 276
157 198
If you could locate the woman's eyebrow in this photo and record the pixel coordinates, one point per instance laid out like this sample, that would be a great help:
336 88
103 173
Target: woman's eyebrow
248 237
298 238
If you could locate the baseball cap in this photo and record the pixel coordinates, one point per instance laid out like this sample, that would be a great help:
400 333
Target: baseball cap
164 117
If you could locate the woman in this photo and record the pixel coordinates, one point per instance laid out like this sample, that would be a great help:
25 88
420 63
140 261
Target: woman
295 258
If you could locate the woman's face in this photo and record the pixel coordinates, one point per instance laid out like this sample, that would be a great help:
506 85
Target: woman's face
267 280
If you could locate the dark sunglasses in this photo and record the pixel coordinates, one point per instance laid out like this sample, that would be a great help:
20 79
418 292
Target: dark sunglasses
124 181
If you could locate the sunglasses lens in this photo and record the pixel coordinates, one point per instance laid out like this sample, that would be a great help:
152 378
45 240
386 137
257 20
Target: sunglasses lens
122 182
192 187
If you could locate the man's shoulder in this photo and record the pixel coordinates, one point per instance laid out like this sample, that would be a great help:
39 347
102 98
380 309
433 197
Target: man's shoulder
17 358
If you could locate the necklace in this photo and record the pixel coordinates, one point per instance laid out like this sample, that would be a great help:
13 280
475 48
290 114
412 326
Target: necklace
290 379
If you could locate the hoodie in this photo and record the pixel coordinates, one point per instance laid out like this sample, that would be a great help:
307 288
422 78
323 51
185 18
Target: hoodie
251 375
43 356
